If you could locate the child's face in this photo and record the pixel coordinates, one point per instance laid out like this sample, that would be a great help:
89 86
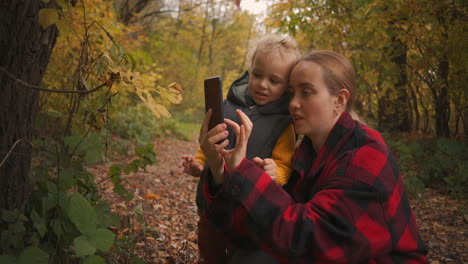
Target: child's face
268 77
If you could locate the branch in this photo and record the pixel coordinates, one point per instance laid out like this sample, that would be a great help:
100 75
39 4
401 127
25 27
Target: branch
34 87
171 11
9 152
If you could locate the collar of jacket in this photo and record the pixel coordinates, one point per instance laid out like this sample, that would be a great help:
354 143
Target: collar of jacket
238 94
308 161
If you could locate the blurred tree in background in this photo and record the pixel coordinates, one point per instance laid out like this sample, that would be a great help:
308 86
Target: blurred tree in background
411 63
410 57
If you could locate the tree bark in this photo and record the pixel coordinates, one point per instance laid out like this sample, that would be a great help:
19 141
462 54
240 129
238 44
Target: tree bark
401 114
442 104
129 8
25 49
415 108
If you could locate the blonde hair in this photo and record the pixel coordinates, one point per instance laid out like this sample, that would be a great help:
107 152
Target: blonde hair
338 72
282 45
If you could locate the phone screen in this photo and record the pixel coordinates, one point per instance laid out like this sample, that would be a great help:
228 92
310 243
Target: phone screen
214 100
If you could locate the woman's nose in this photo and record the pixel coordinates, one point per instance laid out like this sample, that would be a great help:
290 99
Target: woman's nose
294 103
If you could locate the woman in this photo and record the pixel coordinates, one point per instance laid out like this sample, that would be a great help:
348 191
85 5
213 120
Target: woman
345 201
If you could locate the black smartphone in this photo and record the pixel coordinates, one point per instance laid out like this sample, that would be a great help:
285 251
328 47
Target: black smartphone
214 100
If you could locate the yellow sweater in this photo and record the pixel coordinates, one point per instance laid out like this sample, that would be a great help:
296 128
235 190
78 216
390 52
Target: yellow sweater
282 154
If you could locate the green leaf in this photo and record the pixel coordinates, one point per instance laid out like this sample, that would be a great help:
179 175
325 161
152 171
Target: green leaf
33 255
115 169
55 113
72 141
132 60
92 156
82 214
105 217
102 239
48 203
57 227
39 223
83 247
10 216
93 149
52 188
137 260
94 260
62 3
67 178
7 259
48 17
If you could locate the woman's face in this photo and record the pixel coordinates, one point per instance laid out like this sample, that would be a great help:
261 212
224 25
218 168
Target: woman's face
313 108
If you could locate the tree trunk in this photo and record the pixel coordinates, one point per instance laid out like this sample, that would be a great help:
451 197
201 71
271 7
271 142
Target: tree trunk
25 49
415 108
442 105
130 8
203 35
465 124
401 114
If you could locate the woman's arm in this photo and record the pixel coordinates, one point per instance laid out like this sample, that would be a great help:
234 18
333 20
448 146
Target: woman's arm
343 223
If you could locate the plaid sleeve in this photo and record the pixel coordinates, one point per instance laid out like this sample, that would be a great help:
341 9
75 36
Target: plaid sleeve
344 222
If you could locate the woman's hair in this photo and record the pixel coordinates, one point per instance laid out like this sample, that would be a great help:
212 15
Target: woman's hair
338 72
282 45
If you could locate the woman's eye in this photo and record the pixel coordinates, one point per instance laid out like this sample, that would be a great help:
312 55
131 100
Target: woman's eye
306 92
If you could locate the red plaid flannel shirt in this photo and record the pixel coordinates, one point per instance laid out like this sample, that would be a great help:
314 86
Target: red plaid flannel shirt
346 204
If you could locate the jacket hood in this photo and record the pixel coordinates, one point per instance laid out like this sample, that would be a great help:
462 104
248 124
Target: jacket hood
239 94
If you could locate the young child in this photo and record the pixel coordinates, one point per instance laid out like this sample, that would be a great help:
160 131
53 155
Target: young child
261 94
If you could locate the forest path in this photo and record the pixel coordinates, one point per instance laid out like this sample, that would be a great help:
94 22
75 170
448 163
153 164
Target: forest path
167 199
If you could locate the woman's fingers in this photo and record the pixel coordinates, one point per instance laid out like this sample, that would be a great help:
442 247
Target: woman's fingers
219 147
235 127
204 127
245 120
217 134
245 129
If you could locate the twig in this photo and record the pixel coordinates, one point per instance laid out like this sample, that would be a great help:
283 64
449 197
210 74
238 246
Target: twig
107 178
11 149
35 87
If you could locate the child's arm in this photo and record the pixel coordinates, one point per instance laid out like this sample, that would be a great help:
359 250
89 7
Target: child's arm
193 165
200 157
280 165
283 154
268 165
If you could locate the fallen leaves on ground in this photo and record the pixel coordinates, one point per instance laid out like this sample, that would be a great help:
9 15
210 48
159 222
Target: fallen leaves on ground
442 222
166 199
166 230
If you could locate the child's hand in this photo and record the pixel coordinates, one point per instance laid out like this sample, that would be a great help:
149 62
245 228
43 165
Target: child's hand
268 165
190 166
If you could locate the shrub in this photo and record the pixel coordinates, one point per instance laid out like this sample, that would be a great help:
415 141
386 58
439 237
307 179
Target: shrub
438 162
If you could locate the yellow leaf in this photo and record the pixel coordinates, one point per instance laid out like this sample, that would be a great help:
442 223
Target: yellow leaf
151 196
162 110
175 86
48 17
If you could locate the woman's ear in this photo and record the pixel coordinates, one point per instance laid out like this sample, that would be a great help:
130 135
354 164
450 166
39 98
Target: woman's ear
343 97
